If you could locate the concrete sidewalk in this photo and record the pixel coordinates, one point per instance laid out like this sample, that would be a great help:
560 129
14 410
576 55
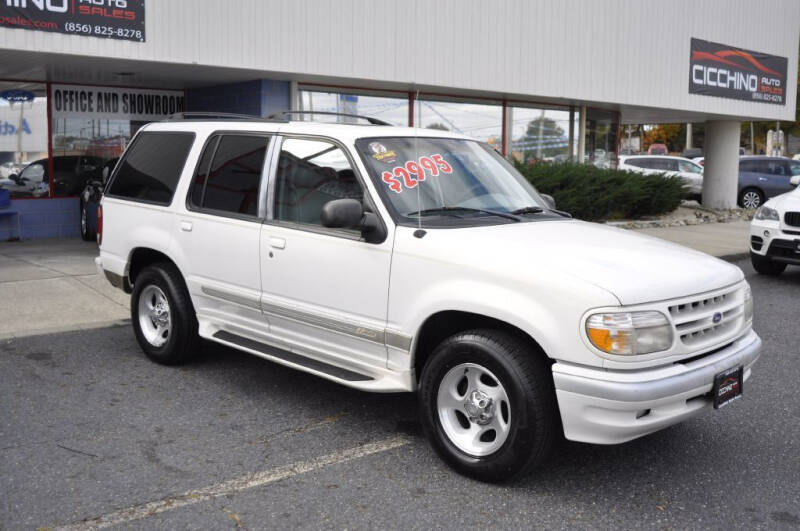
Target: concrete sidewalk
52 285
725 240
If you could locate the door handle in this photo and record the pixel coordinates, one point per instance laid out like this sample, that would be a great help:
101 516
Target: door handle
277 243
186 226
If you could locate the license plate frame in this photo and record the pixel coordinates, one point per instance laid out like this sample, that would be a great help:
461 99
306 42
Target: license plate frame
728 386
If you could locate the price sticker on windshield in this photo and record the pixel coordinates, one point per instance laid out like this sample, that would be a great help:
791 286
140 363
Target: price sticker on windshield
410 174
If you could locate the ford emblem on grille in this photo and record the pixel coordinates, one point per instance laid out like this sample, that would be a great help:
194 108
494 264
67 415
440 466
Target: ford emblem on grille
717 317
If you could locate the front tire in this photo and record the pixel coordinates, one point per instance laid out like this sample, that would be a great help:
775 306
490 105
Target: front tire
764 265
488 405
162 315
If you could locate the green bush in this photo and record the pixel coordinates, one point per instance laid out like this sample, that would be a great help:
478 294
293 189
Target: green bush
596 194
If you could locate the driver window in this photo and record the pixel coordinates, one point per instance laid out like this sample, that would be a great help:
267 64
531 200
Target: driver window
34 172
311 173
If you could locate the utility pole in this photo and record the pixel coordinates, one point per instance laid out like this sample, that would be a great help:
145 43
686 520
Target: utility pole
752 140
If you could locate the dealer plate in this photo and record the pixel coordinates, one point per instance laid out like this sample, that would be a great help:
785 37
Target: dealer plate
727 386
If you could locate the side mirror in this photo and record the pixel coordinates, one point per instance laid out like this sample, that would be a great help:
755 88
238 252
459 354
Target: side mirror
342 214
795 180
549 201
350 214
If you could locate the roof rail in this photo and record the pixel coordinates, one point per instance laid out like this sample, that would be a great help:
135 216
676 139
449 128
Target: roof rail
210 115
371 120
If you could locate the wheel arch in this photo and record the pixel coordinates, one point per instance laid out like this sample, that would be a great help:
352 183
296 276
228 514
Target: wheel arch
445 323
141 257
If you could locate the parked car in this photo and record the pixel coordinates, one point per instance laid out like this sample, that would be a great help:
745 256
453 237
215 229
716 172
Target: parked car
700 161
395 259
774 230
72 172
761 178
685 169
7 169
30 182
90 200
657 149
692 153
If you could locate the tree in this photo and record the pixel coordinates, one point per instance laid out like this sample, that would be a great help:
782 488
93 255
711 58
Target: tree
437 125
543 138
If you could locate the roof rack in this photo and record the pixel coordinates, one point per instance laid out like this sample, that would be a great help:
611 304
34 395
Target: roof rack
371 120
208 115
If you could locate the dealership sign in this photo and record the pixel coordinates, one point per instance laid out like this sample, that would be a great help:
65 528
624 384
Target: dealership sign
114 103
109 19
728 72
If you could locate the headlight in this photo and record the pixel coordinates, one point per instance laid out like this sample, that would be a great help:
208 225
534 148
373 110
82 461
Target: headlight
748 304
629 333
767 213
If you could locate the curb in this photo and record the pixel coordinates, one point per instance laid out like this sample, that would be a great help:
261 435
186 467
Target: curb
61 329
735 257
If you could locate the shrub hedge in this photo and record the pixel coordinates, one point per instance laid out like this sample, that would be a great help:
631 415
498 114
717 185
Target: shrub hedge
597 194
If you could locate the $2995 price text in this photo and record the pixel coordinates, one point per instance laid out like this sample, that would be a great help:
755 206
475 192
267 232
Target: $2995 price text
401 176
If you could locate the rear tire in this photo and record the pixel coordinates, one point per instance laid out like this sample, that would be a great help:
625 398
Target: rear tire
483 381
86 231
751 198
764 265
162 315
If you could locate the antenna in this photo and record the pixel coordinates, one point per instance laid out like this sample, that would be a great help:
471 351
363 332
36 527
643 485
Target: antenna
416 156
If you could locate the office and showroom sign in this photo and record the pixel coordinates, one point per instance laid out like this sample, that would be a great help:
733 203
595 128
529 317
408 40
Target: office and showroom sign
728 72
109 19
114 103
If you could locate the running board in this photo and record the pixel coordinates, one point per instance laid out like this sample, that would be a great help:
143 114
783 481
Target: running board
291 357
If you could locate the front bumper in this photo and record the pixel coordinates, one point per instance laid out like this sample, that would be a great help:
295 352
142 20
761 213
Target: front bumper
611 407
771 238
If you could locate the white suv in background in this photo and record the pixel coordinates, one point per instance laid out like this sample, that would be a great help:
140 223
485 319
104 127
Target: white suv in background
394 259
690 172
775 233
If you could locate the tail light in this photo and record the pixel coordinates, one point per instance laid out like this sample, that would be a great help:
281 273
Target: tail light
100 225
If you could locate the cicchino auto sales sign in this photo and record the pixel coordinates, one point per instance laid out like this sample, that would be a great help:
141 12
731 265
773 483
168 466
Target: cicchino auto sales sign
728 72
109 19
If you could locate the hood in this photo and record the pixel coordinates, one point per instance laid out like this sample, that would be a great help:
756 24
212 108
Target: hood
633 267
788 202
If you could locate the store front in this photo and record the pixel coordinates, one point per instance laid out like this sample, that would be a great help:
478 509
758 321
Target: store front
55 138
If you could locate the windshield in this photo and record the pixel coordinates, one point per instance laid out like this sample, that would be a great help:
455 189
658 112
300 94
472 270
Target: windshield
447 177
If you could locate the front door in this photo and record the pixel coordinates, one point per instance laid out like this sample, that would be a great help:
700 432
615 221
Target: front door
324 290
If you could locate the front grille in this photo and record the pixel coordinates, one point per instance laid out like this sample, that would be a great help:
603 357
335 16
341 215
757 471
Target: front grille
694 319
792 218
783 249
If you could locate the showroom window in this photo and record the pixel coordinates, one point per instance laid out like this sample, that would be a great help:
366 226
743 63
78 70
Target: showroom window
539 134
602 131
481 121
23 139
389 108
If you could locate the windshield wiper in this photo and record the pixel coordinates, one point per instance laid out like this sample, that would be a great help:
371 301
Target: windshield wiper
528 210
438 210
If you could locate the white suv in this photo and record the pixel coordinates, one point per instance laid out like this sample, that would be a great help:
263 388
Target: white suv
690 172
775 233
393 259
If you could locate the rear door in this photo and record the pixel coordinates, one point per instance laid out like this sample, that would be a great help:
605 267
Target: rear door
325 291
218 232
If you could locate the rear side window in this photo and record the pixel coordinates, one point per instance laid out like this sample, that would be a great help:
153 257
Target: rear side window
151 167
229 173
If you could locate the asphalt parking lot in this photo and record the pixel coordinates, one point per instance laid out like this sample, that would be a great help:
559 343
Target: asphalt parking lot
93 434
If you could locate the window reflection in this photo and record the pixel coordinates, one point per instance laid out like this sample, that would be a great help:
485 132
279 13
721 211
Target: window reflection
393 110
480 121
23 139
540 134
